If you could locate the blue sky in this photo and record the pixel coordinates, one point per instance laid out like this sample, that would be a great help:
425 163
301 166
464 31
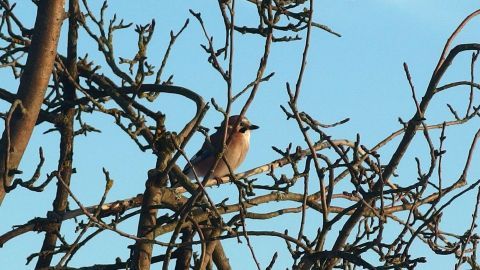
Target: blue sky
359 76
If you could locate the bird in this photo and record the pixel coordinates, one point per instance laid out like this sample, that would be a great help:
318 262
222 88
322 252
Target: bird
235 152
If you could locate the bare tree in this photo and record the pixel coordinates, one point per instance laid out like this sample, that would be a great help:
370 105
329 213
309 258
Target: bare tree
59 89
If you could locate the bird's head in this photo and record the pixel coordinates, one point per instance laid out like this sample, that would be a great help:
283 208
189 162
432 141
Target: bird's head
242 127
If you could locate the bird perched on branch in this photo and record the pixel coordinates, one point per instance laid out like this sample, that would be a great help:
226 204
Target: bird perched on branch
234 153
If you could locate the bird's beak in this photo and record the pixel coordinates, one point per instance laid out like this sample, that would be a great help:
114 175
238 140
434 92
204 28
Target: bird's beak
252 127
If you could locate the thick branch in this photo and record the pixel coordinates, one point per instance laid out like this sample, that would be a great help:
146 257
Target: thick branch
33 85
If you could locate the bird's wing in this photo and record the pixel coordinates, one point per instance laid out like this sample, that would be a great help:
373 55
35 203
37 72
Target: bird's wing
207 150
202 154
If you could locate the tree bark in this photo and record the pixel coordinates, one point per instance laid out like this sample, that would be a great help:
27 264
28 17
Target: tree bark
220 258
185 253
66 138
32 88
142 252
